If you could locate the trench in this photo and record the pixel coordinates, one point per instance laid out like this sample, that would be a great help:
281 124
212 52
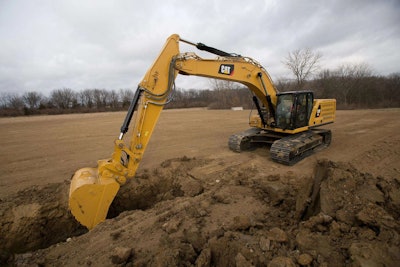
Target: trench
313 205
143 194
38 217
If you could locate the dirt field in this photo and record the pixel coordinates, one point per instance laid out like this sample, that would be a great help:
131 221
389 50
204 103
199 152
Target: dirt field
195 203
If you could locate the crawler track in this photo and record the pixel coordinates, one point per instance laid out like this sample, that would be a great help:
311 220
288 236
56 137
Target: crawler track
287 150
242 141
291 149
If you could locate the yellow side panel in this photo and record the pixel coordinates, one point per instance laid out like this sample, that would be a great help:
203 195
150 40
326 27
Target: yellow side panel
324 112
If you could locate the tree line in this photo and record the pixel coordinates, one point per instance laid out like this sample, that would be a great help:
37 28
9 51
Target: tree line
352 85
64 100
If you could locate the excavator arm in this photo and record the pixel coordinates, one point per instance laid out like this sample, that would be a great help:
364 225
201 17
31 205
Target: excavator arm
92 190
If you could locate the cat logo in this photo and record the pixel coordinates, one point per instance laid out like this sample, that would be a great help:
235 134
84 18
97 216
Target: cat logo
226 69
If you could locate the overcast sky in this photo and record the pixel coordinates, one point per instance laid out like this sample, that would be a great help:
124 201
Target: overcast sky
46 45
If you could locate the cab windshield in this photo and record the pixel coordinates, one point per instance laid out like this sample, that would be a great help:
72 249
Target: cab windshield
293 110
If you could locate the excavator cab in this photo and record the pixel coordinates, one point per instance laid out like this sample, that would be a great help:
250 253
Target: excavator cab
293 109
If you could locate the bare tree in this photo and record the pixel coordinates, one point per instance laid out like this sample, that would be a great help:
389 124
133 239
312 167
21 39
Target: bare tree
284 84
114 99
15 101
303 63
126 97
100 97
86 98
227 94
32 99
391 89
63 98
349 79
4 100
217 84
11 100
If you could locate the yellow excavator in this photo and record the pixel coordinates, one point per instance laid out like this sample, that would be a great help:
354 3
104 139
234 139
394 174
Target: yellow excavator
286 120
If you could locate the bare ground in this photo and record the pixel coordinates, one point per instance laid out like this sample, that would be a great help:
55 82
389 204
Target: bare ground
194 202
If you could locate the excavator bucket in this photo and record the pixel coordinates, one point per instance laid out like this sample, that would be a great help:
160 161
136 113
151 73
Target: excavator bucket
90 196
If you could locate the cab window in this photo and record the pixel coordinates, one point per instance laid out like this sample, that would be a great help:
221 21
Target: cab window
284 111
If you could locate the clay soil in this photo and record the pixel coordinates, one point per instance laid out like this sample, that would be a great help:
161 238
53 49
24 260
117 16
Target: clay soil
194 202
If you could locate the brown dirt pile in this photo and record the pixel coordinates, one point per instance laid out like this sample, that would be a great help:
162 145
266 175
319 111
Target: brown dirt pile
205 212
35 218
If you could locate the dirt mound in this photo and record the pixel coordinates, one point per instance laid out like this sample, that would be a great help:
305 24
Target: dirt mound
208 212
36 218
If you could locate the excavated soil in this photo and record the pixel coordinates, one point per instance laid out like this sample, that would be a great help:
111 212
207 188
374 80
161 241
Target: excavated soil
339 207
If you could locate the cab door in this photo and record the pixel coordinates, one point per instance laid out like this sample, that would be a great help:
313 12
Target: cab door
303 105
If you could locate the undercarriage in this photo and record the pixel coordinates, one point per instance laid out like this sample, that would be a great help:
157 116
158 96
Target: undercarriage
285 149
